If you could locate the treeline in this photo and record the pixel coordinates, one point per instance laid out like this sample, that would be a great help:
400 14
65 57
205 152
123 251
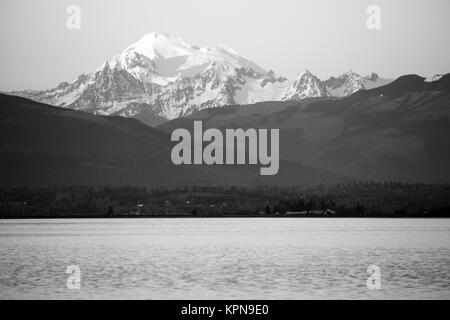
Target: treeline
345 199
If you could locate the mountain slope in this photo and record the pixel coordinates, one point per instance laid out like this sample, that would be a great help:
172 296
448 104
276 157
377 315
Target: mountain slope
161 77
396 132
41 145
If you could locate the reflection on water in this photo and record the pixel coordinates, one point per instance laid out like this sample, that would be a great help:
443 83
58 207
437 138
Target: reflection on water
225 258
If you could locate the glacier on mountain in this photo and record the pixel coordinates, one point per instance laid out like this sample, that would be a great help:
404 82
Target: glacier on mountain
163 77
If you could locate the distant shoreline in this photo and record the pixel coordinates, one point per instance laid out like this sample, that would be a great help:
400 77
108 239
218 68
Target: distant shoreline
362 199
281 216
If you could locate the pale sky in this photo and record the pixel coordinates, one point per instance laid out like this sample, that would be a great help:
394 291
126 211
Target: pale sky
326 37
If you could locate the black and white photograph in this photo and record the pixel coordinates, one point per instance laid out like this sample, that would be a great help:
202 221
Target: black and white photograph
211 150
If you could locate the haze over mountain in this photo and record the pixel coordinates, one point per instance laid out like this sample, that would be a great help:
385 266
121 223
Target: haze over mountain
161 77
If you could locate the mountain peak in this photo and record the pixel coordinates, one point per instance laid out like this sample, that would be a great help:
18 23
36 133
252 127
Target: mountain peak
306 85
351 74
160 45
305 74
373 76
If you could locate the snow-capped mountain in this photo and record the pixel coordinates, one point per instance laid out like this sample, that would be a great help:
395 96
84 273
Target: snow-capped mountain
350 82
162 77
306 85
435 77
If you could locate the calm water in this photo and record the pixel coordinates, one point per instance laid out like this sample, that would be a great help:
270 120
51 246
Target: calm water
225 258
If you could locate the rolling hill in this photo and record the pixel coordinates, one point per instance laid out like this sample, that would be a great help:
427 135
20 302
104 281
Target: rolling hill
42 145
